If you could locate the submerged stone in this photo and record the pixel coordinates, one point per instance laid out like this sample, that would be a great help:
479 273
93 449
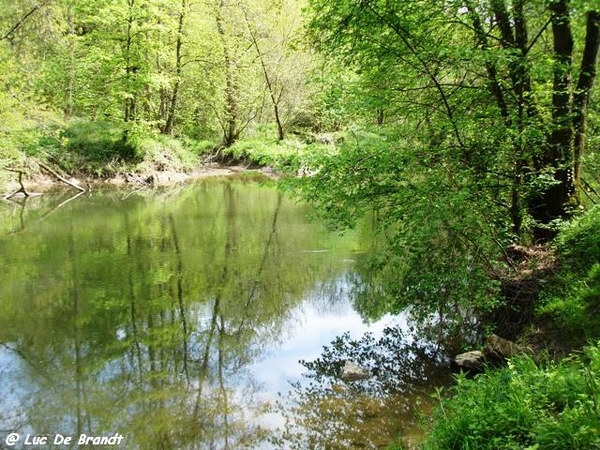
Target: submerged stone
353 372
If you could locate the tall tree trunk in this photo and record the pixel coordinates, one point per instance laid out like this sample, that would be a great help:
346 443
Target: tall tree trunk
551 202
587 77
168 128
230 128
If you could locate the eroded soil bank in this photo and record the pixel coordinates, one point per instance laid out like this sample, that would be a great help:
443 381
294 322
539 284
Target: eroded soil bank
40 182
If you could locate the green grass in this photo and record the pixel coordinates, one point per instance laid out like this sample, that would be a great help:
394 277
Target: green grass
285 156
523 406
572 301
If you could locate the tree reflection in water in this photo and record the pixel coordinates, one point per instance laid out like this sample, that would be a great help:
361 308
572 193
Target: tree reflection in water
143 313
147 313
325 412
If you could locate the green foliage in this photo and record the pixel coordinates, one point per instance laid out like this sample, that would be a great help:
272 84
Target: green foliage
579 242
287 155
159 64
100 141
200 147
92 147
438 244
524 406
106 148
446 74
571 301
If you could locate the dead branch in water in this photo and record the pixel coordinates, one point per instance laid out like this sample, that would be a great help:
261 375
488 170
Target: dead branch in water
22 189
59 177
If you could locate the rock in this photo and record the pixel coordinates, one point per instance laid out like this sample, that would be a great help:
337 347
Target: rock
325 138
497 350
353 372
472 361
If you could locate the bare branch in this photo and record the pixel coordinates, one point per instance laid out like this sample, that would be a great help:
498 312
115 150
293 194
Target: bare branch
17 25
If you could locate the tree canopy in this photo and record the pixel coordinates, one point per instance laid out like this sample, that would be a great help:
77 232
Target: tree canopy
467 126
482 112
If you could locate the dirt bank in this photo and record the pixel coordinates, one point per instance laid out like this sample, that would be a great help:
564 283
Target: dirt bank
43 182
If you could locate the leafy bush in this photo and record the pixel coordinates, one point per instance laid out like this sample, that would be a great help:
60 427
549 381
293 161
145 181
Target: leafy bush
523 406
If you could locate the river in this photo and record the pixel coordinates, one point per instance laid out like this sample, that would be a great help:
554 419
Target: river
177 318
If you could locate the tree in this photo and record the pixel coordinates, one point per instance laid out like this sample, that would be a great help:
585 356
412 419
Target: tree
465 64
478 151
274 31
231 129
172 103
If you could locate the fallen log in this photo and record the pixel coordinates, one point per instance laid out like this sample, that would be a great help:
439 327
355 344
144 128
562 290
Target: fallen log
59 177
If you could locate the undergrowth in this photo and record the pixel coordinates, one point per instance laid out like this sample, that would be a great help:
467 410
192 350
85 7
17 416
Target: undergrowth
572 301
523 406
104 149
530 404
285 156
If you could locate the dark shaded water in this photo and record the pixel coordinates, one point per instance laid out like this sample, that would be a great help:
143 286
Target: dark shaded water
177 319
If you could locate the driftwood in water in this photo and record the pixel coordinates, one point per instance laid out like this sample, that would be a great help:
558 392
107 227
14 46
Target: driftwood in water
63 179
22 189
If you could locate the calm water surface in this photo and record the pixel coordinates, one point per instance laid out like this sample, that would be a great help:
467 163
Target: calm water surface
178 318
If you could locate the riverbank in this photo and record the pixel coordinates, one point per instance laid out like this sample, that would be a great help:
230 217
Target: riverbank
41 182
547 397
98 153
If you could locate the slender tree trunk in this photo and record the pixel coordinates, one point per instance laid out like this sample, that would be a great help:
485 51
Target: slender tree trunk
231 127
275 97
587 77
481 40
168 128
68 109
130 70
